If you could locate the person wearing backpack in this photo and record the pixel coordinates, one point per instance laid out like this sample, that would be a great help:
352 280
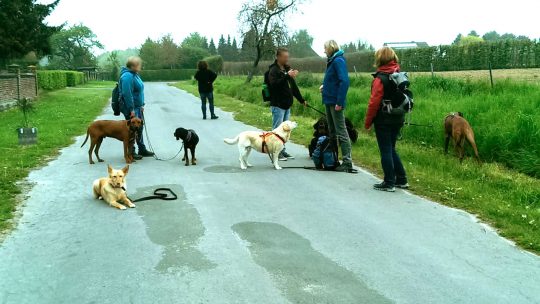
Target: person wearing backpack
334 96
205 80
280 81
131 89
388 124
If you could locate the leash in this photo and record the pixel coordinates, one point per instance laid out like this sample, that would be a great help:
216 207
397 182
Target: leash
159 194
152 148
316 110
351 171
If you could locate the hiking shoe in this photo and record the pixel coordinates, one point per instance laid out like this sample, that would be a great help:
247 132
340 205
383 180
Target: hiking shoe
344 167
214 117
137 156
146 153
384 187
282 157
403 186
287 155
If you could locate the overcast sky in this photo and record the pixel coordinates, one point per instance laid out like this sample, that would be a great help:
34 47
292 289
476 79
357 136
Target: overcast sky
121 24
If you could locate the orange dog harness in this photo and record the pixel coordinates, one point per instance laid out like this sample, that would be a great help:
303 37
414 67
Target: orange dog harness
268 134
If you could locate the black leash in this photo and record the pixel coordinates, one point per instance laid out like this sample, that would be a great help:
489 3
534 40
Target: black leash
152 148
316 110
352 171
159 195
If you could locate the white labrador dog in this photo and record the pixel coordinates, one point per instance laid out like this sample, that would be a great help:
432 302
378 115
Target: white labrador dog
270 143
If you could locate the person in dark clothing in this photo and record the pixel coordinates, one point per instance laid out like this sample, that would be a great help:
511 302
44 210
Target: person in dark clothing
132 91
387 126
283 89
205 79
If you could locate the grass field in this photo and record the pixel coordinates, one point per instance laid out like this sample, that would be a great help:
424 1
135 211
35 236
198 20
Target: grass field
505 198
59 116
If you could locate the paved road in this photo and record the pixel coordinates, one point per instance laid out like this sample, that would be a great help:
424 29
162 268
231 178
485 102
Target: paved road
262 236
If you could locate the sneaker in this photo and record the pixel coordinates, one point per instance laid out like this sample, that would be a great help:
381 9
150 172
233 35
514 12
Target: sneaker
214 117
403 186
287 155
384 187
282 157
146 153
137 156
344 167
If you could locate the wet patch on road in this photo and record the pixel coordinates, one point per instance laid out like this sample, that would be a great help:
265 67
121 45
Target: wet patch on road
175 225
299 271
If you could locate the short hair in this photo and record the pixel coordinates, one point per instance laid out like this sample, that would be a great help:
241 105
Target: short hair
202 65
331 45
133 61
384 56
281 50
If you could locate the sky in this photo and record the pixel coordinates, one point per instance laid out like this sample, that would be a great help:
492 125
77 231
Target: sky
122 24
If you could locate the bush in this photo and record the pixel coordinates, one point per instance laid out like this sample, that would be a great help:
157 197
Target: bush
74 79
167 75
52 80
215 63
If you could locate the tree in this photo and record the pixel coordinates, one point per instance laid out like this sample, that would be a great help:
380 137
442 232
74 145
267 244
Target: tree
265 21
222 46
73 48
473 34
168 53
491 36
22 29
470 40
195 40
150 54
113 65
189 56
457 40
212 47
300 45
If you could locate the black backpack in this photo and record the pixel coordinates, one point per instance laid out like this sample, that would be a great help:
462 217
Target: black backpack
399 99
117 102
267 97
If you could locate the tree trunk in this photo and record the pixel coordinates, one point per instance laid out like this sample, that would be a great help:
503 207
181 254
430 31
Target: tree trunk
253 71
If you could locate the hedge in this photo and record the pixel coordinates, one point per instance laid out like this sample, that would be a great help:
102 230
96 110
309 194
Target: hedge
512 54
167 75
215 63
54 80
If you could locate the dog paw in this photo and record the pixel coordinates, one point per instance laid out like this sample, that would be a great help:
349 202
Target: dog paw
132 206
92 163
249 165
243 168
194 163
279 168
122 207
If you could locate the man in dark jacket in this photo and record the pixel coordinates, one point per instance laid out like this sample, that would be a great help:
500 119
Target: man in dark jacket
282 88
205 79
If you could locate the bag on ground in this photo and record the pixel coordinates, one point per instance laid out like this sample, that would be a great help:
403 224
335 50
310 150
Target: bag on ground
325 155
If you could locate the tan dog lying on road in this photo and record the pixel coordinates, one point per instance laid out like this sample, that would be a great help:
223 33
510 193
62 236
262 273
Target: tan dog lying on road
270 143
459 129
112 189
123 130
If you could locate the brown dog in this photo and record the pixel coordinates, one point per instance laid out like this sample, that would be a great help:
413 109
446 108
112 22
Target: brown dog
459 129
123 130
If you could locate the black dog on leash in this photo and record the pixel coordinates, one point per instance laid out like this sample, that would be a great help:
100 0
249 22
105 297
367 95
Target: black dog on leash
190 139
321 129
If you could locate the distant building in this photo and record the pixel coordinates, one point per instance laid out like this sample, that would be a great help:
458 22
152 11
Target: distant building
406 45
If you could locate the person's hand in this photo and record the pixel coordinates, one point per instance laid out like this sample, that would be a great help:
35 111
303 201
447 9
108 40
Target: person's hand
339 108
293 73
132 114
321 88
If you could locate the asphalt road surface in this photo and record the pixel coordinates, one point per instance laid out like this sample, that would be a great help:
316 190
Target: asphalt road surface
261 236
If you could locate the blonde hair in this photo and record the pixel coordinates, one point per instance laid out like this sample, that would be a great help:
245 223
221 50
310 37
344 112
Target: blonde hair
133 61
384 56
331 45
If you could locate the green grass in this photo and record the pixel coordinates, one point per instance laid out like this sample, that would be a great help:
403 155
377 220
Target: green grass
59 116
504 198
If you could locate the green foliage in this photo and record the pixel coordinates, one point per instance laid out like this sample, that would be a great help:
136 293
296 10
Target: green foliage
121 57
300 45
190 56
167 75
195 40
73 48
54 80
215 63
26 106
23 30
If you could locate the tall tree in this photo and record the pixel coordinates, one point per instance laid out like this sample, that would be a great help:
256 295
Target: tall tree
195 40
113 64
212 47
169 52
473 33
222 46
150 54
491 36
74 48
458 39
265 20
300 45
23 30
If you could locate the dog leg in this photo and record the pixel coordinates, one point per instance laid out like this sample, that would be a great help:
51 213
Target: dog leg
90 151
275 157
249 149
243 152
193 159
186 157
96 151
127 153
115 204
128 202
447 143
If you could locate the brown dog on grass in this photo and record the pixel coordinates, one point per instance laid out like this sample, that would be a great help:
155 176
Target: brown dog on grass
112 189
459 129
123 130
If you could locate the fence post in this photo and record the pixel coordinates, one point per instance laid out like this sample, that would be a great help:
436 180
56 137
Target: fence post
490 75
355 72
432 71
18 84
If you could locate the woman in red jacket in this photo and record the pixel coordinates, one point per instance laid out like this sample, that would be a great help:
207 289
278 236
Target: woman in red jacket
387 126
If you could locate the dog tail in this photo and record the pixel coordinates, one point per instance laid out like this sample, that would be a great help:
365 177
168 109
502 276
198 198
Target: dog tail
87 135
230 141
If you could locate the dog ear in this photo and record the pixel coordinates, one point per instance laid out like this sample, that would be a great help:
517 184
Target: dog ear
109 169
125 170
460 114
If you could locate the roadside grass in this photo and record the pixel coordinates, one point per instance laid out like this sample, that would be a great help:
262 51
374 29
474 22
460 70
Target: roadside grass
504 198
59 116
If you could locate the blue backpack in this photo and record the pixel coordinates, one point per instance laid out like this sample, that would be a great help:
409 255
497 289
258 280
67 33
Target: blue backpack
325 155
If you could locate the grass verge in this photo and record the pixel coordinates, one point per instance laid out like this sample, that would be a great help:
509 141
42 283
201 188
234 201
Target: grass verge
59 116
506 199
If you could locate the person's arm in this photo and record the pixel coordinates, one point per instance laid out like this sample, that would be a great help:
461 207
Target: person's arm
197 76
213 76
343 81
296 91
126 88
377 94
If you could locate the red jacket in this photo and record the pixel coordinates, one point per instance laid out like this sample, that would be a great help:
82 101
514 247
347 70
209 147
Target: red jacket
377 93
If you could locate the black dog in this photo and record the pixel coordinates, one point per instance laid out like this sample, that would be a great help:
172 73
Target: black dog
321 129
190 139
